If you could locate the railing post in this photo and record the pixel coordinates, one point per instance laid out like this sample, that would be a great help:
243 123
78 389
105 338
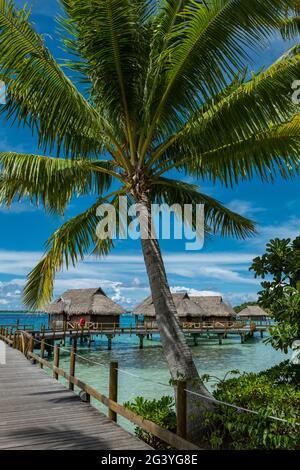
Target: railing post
30 345
181 408
17 339
14 345
42 353
113 388
72 364
56 360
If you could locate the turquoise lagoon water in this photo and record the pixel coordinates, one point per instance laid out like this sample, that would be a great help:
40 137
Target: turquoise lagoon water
142 372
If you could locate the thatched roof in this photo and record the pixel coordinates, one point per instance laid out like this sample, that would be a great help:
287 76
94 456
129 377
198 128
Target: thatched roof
253 311
184 306
213 306
84 302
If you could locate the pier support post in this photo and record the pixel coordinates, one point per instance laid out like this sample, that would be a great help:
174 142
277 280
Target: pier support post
141 338
181 408
113 388
109 342
49 347
242 338
220 337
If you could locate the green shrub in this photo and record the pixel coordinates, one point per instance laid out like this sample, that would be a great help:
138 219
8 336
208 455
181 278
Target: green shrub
159 411
274 392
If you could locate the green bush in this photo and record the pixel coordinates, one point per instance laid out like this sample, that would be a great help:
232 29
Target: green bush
274 392
159 411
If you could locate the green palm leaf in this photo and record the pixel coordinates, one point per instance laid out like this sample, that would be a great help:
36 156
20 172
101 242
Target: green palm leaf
69 244
111 42
38 178
208 46
218 218
39 93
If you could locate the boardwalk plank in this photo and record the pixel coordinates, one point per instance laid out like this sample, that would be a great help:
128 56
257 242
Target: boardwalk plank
37 412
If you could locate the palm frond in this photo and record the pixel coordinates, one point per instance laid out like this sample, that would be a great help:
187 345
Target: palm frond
263 100
218 218
207 48
69 244
39 94
290 28
266 155
51 181
110 38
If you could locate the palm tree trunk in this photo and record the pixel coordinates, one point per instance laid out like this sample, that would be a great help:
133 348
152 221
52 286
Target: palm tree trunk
176 350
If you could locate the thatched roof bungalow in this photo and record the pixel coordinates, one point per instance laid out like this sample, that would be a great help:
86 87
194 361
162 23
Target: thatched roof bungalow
189 309
253 313
214 308
91 304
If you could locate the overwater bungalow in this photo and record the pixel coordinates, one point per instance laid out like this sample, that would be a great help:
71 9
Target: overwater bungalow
254 313
91 304
214 308
190 310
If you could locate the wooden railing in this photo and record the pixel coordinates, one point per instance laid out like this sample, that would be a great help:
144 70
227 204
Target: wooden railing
18 326
25 342
89 326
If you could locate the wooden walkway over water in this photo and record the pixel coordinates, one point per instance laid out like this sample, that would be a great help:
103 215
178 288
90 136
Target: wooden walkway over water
38 412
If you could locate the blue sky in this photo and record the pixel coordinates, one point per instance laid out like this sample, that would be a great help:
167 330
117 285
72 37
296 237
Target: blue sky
221 266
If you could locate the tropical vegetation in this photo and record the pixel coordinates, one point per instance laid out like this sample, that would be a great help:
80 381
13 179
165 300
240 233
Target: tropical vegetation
159 90
267 395
244 305
279 268
160 411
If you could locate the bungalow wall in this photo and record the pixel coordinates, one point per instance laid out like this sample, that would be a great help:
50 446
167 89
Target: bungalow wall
255 319
57 320
150 322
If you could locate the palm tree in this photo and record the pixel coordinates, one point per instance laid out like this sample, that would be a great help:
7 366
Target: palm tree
290 27
166 92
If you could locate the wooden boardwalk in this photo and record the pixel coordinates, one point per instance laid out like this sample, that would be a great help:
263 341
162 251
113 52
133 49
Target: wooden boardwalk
37 412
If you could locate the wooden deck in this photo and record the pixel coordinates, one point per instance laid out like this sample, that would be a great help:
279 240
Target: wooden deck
39 413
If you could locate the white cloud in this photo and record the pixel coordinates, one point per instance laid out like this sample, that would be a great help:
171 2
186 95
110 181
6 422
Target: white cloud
279 229
237 298
10 294
18 208
194 292
124 277
245 208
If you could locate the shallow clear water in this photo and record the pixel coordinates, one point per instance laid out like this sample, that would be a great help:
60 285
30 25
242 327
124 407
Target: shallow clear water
149 364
